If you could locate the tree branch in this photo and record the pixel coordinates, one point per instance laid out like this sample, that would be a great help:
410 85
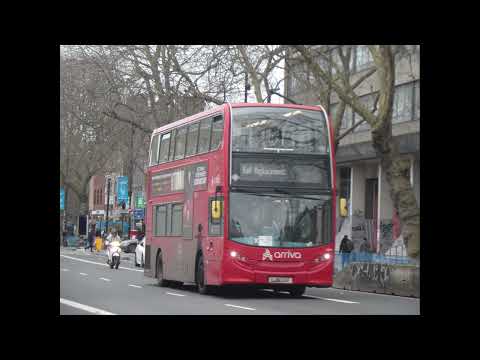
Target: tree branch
285 97
114 115
348 96
340 137
364 77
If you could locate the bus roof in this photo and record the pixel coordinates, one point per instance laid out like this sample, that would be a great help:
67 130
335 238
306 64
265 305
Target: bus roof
233 105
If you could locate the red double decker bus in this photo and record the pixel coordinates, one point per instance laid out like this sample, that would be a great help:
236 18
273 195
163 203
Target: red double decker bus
242 194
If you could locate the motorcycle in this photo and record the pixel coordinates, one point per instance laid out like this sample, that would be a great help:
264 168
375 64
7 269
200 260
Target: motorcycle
115 250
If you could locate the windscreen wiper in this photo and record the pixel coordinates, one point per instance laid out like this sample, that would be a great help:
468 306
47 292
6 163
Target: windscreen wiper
280 191
283 191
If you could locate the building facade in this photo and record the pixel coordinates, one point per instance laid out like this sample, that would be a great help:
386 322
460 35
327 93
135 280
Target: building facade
361 181
96 199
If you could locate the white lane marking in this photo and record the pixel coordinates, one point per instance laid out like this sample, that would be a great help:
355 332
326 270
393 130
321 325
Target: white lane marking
105 279
64 269
85 307
135 286
377 294
329 299
97 263
169 293
83 274
240 307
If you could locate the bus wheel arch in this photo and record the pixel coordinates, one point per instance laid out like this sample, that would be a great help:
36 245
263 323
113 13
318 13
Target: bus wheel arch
197 257
159 266
202 287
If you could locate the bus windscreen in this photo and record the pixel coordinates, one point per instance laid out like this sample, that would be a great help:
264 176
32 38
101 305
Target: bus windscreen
279 130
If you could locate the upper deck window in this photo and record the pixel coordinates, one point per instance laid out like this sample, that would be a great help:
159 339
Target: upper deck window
192 139
164 146
180 140
172 145
217 132
279 130
204 136
154 151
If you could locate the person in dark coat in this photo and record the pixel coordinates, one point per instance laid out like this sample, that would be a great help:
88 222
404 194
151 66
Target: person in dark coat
346 247
91 238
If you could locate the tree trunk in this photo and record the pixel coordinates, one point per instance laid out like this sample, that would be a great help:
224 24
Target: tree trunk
403 197
396 168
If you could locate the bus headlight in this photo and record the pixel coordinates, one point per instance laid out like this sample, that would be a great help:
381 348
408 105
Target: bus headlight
237 256
324 257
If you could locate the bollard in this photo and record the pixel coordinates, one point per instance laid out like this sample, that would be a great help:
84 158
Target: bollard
98 243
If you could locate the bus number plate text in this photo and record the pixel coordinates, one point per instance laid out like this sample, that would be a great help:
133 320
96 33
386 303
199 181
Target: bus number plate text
280 280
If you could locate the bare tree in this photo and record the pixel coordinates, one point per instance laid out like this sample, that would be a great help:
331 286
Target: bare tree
259 62
380 121
87 136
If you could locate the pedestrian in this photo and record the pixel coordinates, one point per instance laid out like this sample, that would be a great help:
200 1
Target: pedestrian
91 238
346 247
365 249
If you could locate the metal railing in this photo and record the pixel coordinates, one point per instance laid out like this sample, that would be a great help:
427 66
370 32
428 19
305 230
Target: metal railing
396 255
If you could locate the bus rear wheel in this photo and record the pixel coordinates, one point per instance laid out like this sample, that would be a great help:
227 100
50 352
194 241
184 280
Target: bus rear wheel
160 280
297 291
200 278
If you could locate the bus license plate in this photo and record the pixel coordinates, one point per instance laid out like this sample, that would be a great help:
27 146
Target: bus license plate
280 280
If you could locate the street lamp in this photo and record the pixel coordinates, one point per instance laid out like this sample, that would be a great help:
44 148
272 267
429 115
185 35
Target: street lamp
108 204
247 86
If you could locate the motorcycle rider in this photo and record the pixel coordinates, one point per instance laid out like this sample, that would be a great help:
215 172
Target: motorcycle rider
111 238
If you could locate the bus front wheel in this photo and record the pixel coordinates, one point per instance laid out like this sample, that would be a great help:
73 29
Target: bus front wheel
297 291
202 288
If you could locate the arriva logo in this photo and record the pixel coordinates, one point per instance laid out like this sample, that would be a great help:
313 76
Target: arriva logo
267 255
281 255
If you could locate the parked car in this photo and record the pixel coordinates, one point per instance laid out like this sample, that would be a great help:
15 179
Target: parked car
140 254
129 245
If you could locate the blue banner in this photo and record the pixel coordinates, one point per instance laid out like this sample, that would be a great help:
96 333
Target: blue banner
62 199
122 189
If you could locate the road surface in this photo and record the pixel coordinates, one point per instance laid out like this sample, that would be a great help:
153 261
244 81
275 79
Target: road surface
88 286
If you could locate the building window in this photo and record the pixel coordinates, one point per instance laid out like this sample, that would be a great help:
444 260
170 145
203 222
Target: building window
337 60
300 76
159 220
363 58
416 115
402 103
192 139
164 147
217 132
177 219
348 119
345 176
204 135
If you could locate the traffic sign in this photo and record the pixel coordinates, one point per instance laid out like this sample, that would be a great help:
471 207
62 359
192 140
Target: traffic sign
62 199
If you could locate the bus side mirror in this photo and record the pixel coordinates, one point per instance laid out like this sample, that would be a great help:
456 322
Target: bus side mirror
216 209
343 207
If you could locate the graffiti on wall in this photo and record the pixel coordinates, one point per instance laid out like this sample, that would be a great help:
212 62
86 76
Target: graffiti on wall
388 236
363 228
380 273
390 232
